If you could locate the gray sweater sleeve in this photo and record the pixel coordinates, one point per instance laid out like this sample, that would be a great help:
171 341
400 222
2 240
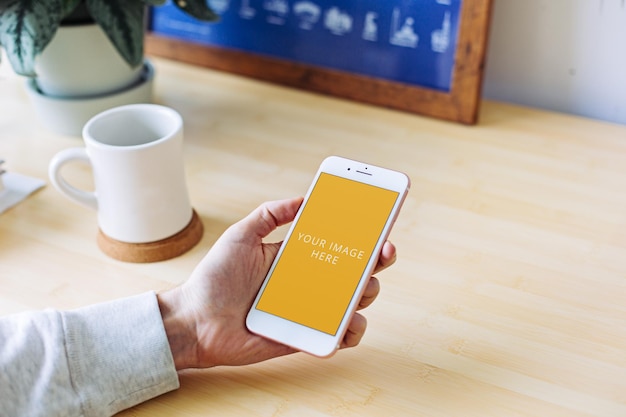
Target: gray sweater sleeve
94 361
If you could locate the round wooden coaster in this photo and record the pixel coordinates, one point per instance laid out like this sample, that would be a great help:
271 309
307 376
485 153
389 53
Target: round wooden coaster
160 250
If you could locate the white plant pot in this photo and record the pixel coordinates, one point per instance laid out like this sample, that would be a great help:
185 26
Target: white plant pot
67 116
80 61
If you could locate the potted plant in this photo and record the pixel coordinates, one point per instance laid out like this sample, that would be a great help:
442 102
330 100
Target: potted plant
82 56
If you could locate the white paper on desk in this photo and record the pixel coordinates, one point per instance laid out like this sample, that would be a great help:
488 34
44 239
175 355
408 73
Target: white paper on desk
16 188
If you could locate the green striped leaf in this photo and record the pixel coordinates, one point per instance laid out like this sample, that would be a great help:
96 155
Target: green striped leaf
26 28
6 3
69 6
123 23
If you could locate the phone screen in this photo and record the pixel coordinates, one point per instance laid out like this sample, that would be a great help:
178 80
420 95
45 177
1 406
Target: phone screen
327 253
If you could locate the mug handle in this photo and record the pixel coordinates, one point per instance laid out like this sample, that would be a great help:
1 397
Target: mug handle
85 198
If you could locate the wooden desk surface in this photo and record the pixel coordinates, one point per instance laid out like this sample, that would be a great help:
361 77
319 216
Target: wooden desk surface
509 295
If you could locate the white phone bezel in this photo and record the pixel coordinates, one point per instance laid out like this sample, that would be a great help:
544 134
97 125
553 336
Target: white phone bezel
304 338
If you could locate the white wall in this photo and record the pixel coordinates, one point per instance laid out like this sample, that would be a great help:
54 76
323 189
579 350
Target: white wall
563 55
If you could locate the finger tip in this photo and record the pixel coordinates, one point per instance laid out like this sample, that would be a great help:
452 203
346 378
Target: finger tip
390 249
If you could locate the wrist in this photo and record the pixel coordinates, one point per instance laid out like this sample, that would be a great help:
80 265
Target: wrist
178 328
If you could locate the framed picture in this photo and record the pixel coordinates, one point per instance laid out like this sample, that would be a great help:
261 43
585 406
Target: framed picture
419 56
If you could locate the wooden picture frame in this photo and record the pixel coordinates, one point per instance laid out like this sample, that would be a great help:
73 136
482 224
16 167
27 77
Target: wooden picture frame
459 104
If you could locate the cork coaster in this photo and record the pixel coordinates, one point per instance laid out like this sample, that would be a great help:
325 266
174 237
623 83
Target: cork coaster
160 250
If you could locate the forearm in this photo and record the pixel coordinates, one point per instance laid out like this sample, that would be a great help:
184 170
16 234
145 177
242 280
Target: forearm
34 373
93 361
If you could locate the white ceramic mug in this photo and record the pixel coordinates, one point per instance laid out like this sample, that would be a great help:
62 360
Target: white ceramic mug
135 152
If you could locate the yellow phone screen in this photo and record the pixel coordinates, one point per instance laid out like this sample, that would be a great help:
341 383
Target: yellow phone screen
327 253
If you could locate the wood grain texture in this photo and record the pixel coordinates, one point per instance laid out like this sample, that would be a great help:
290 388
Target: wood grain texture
460 104
509 294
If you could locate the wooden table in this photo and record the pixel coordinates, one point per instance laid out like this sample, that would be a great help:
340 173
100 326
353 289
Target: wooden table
509 294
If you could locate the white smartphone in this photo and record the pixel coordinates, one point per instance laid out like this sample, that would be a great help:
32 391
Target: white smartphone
331 249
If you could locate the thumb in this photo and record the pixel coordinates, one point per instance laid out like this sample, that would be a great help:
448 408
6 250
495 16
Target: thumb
268 216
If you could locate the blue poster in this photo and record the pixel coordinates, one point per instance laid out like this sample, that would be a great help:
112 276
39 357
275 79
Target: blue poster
405 41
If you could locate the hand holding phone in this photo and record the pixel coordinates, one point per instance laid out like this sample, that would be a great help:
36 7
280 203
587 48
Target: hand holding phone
204 317
320 272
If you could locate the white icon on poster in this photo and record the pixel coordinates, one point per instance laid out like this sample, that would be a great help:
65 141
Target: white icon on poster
370 29
403 35
278 11
444 2
440 38
308 13
337 22
246 11
219 6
